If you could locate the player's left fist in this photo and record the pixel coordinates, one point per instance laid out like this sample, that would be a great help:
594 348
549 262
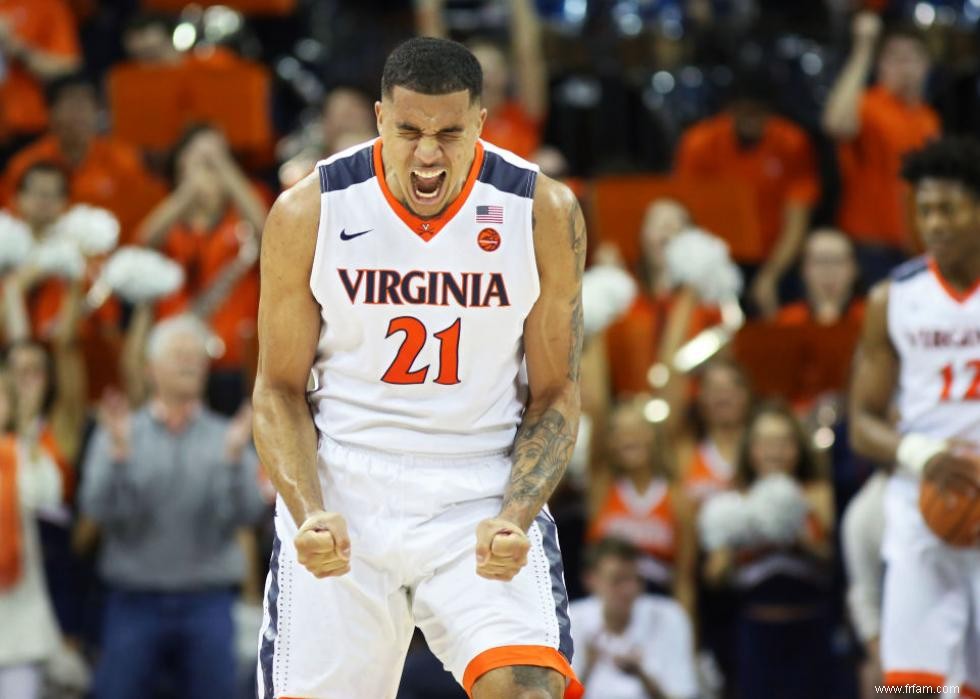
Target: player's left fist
501 549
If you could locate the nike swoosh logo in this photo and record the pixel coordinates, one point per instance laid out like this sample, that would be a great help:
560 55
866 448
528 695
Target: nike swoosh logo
351 236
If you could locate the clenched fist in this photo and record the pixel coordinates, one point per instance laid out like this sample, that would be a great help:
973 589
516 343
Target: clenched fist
323 546
501 549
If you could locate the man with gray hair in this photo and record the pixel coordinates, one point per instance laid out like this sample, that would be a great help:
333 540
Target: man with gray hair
169 485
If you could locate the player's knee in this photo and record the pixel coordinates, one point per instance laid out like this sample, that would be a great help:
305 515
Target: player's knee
520 682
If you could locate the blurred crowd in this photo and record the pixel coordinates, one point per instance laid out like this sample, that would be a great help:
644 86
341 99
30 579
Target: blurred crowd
738 163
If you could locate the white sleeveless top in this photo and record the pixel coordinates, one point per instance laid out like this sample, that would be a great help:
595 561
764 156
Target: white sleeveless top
936 332
421 348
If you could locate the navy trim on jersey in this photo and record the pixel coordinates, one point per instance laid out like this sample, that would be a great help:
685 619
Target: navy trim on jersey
907 270
267 649
507 177
346 172
549 542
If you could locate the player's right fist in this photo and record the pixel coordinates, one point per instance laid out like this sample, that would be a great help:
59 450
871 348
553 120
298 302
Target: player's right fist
323 546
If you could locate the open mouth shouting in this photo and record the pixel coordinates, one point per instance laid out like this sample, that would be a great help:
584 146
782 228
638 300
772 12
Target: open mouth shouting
428 185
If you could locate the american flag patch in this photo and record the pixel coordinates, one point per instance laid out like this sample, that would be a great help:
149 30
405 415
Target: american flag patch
490 214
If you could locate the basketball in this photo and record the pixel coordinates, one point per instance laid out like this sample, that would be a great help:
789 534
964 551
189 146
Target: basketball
953 512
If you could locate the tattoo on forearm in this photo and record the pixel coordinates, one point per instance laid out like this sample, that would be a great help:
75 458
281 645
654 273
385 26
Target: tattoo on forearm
577 339
542 450
576 228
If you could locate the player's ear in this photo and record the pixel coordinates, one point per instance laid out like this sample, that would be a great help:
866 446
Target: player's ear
483 118
377 114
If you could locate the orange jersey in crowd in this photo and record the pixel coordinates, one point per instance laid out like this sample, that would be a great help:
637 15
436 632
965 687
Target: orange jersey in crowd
11 543
204 255
800 313
99 333
781 168
647 520
11 562
513 129
44 25
874 206
633 342
707 473
111 176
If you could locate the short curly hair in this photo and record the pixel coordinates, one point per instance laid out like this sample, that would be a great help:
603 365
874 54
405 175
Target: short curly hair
955 158
433 67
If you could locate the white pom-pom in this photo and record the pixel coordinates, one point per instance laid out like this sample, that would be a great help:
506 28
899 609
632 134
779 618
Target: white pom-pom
59 258
724 522
16 242
607 293
94 231
700 260
139 275
778 509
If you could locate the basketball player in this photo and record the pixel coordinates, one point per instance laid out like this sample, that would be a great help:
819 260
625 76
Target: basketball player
921 347
433 284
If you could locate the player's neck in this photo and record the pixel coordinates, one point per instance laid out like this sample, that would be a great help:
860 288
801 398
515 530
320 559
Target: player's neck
962 277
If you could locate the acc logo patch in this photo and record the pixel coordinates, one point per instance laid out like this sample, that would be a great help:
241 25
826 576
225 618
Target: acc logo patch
488 239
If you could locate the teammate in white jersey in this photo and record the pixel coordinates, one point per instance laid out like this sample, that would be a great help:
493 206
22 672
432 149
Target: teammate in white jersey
432 283
921 352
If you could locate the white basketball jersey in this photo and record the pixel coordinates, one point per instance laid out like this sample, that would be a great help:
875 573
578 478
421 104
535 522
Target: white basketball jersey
936 332
423 320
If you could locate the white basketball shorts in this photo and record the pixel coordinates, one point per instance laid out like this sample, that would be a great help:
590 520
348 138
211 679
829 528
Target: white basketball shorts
930 626
412 522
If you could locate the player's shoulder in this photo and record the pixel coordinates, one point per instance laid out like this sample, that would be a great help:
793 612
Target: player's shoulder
557 220
507 172
551 197
909 270
290 229
346 168
300 201
905 273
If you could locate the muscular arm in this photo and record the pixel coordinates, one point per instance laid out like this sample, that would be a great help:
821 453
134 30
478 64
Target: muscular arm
553 346
875 377
289 325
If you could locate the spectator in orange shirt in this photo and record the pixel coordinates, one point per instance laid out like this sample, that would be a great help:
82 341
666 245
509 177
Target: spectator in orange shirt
41 198
210 224
634 495
102 171
38 43
874 128
662 316
514 121
830 275
748 142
